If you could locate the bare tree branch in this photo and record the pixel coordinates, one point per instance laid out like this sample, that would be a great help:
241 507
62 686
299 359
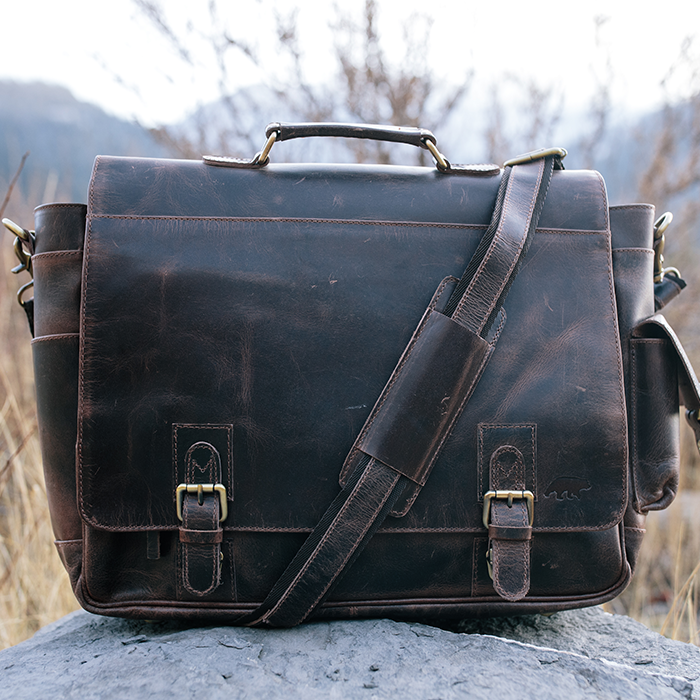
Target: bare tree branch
12 184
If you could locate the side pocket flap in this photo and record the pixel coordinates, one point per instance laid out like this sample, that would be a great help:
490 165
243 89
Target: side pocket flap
657 326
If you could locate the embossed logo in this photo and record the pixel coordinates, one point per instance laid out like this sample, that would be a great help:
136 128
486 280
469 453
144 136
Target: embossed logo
567 487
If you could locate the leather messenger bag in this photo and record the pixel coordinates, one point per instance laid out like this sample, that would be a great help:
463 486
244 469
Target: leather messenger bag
277 392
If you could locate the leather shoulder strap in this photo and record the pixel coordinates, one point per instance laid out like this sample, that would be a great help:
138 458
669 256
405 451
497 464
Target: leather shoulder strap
381 470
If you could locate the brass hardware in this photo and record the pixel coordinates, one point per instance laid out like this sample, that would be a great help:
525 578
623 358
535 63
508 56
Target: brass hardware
693 416
25 260
662 223
440 160
22 236
20 232
22 290
660 226
536 155
200 490
489 563
263 157
509 496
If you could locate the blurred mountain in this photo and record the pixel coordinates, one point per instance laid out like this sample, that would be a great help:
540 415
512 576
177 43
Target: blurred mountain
63 136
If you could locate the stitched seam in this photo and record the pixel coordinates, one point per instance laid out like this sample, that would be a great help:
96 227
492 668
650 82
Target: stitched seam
60 205
56 336
620 373
633 429
497 333
606 212
482 428
408 503
38 257
367 222
81 353
475 562
232 571
300 220
499 475
533 433
570 232
186 572
636 207
204 426
520 550
648 251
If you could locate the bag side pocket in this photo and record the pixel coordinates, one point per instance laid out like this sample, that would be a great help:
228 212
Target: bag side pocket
655 439
56 373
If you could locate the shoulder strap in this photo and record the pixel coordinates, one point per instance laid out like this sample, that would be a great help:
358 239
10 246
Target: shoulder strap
391 455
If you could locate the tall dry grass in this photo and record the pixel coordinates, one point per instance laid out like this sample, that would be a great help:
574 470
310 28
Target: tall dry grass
34 588
665 591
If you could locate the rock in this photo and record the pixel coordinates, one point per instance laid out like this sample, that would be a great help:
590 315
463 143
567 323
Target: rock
575 654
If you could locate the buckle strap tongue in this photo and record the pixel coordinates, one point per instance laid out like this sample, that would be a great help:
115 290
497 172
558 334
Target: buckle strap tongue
508 516
201 508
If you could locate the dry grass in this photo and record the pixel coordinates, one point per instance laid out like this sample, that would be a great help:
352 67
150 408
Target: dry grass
665 591
34 588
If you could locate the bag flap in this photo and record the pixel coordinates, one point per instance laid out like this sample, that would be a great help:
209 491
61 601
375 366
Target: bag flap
262 311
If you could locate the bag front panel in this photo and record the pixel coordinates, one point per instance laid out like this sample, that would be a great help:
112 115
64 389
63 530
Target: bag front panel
290 329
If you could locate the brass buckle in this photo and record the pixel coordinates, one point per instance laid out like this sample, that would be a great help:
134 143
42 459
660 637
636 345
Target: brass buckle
536 155
200 490
509 496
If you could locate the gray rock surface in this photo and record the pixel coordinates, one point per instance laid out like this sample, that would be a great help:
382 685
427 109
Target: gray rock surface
571 655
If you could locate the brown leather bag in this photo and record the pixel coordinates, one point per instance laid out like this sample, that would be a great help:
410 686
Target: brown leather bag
269 393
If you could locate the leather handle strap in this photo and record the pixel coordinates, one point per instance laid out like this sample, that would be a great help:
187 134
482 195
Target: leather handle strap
397 134
374 487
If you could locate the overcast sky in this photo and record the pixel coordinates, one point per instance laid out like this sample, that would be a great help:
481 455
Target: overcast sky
107 53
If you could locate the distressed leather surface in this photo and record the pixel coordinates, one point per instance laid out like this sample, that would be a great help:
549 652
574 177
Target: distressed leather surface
274 305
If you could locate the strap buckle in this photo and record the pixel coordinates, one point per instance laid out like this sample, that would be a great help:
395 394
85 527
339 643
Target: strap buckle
200 490
509 496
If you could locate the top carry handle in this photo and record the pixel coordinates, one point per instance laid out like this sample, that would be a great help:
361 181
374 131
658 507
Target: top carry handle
421 138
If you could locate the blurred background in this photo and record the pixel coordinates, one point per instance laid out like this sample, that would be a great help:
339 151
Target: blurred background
617 85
